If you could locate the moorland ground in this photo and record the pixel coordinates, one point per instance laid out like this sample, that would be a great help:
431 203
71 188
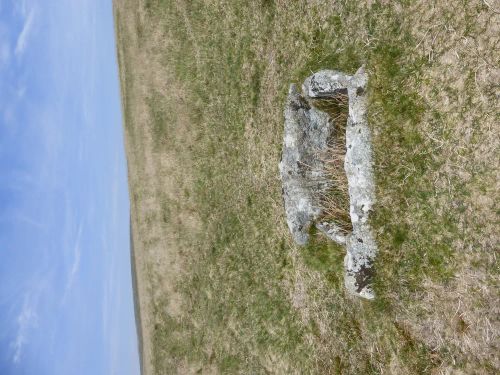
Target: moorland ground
221 287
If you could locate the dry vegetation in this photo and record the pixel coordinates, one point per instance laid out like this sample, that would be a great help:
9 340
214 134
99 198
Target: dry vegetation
335 200
221 286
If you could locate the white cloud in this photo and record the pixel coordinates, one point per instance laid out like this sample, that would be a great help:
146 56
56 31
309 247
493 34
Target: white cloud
75 267
22 39
26 320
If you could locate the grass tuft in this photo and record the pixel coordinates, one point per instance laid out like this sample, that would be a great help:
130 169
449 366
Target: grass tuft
335 200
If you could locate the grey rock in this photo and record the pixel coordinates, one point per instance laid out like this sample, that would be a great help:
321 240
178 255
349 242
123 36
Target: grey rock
358 262
306 134
306 131
325 84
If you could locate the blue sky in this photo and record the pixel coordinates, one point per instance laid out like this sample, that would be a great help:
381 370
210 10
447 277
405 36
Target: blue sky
65 285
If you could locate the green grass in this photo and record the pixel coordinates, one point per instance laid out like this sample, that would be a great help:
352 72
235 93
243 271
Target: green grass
243 311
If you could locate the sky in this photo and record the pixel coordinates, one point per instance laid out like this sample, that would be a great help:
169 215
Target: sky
65 284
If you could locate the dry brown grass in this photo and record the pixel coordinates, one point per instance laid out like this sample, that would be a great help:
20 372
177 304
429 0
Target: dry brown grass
335 200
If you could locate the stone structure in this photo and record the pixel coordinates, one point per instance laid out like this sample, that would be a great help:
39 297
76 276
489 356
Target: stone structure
307 132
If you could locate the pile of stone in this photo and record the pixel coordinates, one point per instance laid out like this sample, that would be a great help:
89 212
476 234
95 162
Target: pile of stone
307 134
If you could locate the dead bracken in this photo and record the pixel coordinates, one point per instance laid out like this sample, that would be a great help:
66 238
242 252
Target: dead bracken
318 140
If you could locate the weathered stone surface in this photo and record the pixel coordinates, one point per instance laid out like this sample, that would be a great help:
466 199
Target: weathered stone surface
325 84
306 134
361 247
299 194
358 262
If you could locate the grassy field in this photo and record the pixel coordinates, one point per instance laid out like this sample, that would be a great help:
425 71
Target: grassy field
221 287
